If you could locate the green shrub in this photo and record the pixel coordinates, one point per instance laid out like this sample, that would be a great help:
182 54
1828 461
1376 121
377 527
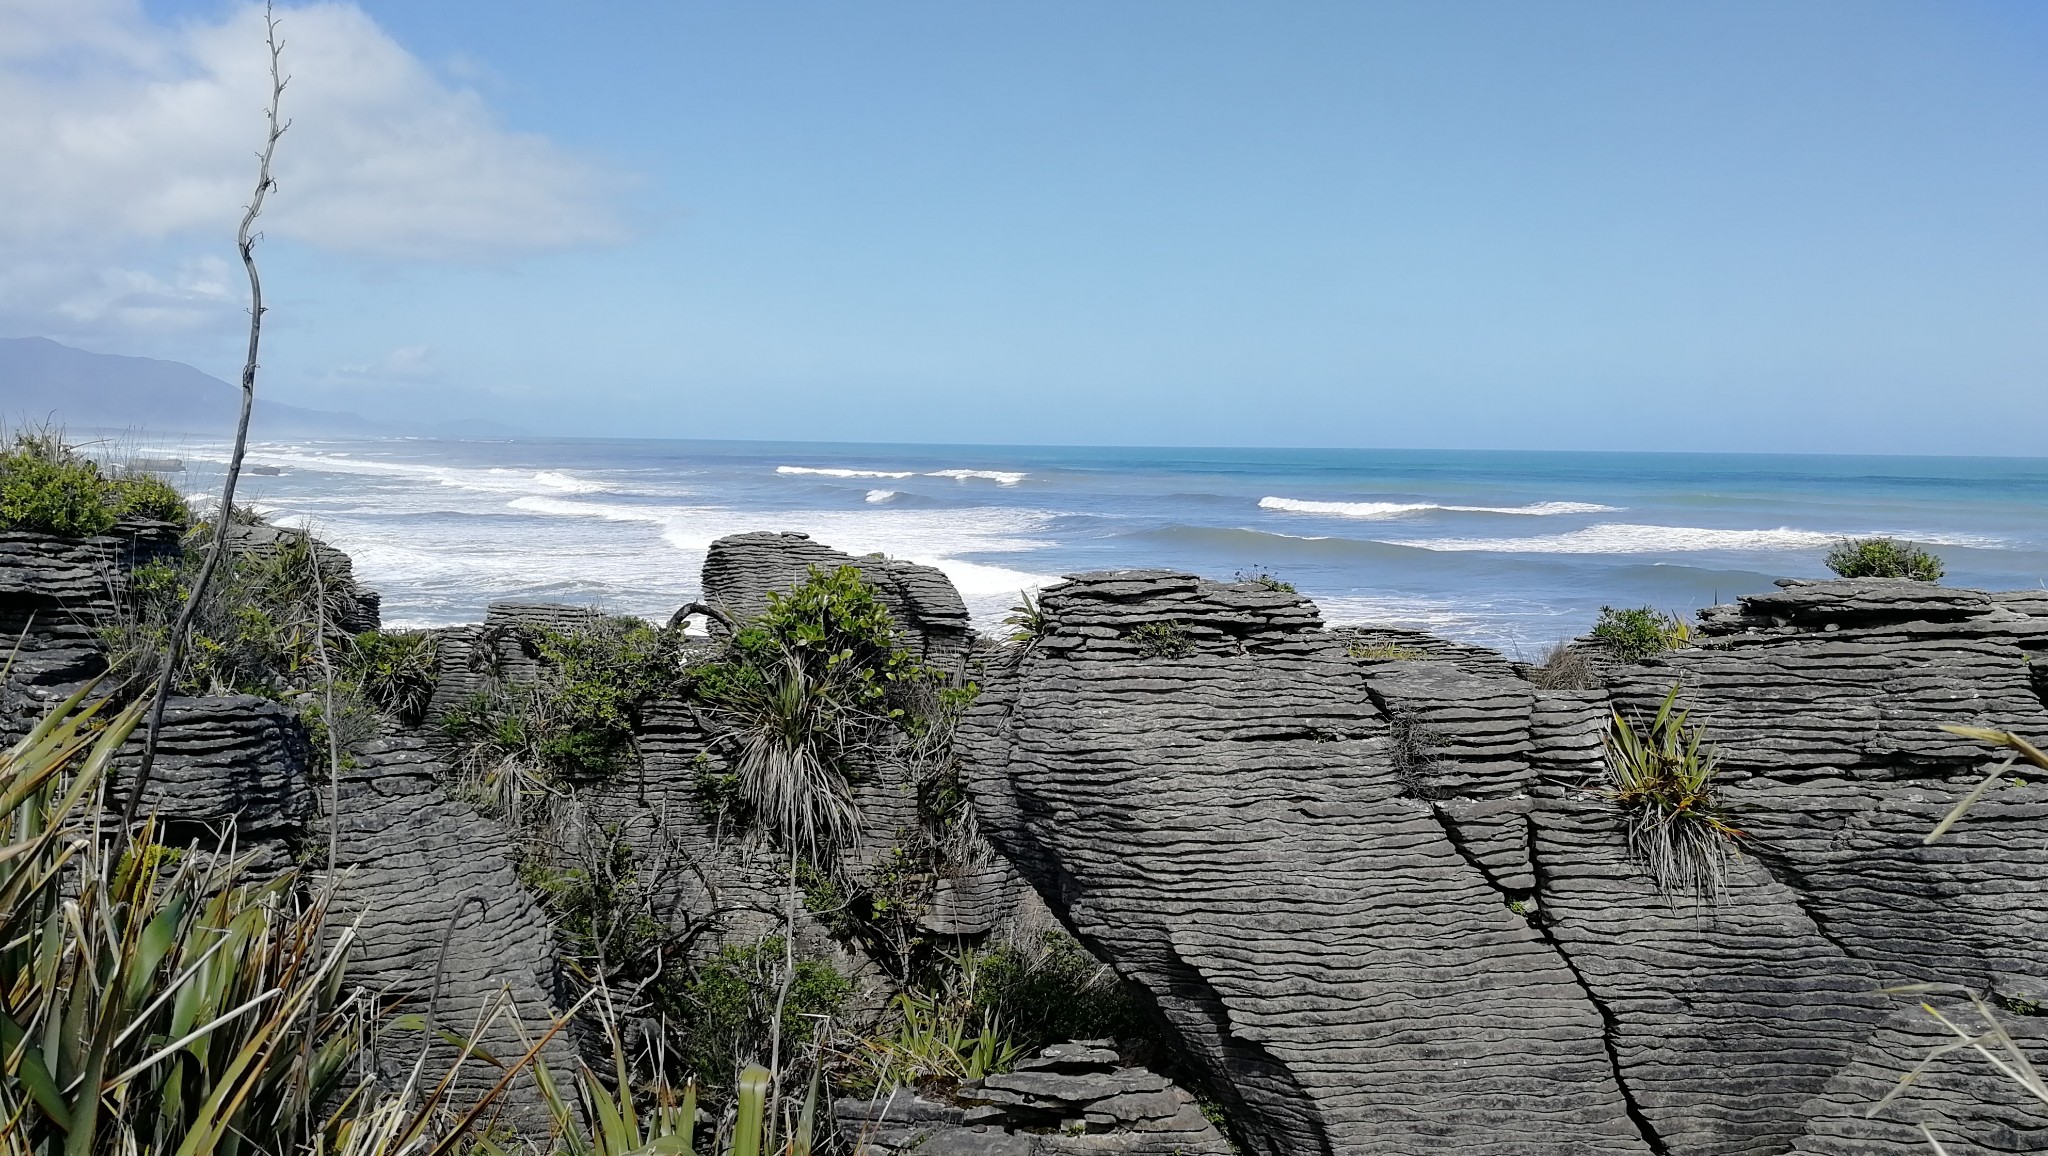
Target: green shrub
1565 668
47 488
803 697
1662 779
722 1014
1055 993
1635 634
397 670
1162 640
1883 558
148 496
575 720
1027 620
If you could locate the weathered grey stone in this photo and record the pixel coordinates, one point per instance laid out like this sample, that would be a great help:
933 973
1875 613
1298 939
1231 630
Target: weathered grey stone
1228 828
444 925
741 571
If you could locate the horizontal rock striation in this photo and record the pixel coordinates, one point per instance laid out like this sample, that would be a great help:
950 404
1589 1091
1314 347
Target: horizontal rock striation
1070 1098
231 771
1228 826
445 927
1302 913
56 596
742 570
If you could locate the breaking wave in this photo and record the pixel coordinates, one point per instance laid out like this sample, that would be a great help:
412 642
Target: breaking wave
836 472
1627 538
1380 510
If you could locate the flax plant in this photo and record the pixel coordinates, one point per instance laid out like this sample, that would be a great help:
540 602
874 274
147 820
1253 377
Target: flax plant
1662 779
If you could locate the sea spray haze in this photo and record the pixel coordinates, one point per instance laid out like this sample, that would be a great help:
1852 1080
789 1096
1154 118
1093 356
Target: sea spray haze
1511 549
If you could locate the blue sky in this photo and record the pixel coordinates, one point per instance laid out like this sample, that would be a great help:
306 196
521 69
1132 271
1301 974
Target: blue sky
1806 227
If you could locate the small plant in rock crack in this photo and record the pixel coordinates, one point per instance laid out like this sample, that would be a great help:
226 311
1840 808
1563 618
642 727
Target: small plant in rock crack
1260 576
1027 621
1163 640
396 669
1662 779
1564 667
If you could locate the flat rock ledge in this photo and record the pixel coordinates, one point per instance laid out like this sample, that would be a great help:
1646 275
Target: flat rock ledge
1071 1098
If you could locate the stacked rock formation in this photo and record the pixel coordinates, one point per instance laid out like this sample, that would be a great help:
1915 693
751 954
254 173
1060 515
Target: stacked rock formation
1386 906
741 571
1070 1098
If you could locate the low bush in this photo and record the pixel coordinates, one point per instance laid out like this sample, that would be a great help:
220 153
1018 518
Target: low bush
575 720
803 696
397 670
723 1014
1385 651
1162 640
1883 558
1635 634
48 487
148 496
1662 779
1054 991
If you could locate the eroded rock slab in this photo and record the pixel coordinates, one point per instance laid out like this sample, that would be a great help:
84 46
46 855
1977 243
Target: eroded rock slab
1227 825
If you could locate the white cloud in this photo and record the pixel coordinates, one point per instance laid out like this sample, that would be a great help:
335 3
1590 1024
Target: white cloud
123 139
407 363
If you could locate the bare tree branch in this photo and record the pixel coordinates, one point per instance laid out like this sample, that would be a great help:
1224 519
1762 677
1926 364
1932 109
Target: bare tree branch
245 241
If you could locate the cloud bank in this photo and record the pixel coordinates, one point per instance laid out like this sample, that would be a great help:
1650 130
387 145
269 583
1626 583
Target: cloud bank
126 144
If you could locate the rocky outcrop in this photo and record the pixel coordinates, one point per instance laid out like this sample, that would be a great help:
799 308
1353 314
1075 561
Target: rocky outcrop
445 928
1070 1098
1225 822
1307 862
741 571
231 771
56 596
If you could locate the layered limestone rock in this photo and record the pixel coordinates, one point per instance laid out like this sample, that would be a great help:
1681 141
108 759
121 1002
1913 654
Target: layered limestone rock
1290 853
1071 1098
56 596
741 571
231 771
445 928
1198 779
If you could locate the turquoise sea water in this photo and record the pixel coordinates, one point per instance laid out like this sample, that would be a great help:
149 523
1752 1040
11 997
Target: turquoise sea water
1515 550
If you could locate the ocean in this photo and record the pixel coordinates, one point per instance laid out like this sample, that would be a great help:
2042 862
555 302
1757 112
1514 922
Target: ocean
1510 550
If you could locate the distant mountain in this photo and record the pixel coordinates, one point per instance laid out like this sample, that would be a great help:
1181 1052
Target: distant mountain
43 381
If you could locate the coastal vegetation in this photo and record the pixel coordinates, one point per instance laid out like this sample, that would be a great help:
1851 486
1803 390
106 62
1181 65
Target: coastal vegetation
47 486
1662 780
1565 667
1163 640
1883 558
1636 633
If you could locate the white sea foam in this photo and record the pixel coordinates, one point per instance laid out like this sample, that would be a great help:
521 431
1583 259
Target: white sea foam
1627 538
491 480
1383 510
999 477
880 495
836 472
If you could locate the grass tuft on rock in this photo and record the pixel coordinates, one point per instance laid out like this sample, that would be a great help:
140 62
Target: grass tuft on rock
1883 558
1564 667
1662 780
